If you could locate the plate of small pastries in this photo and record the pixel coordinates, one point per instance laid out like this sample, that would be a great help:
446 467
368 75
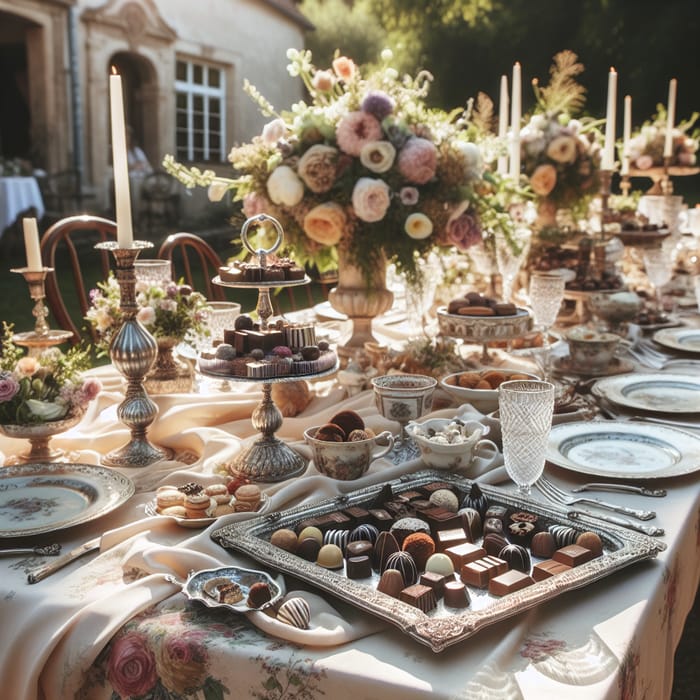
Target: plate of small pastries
195 505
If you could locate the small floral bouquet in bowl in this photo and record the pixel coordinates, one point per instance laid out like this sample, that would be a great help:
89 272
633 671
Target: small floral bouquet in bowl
168 310
48 387
364 166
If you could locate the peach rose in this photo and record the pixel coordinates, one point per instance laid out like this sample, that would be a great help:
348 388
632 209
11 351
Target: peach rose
544 179
371 199
323 80
344 68
317 167
325 223
27 366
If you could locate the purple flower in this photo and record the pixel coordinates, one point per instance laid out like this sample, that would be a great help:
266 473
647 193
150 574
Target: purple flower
8 387
463 228
418 160
379 104
409 196
171 290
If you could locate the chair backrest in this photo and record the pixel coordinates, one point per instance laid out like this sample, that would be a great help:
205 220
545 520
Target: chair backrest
61 194
195 260
67 247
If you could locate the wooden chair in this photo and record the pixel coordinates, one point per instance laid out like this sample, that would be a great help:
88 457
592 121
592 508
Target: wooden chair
195 260
67 246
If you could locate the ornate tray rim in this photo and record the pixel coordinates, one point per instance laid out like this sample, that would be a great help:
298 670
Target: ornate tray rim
262 285
436 633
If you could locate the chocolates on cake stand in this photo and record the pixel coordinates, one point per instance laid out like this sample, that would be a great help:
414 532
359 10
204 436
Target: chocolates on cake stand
42 336
268 459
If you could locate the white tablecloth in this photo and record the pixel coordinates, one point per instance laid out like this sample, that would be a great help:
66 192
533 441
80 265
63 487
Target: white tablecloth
17 194
113 622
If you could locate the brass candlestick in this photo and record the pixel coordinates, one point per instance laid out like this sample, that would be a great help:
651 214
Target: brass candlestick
605 185
666 182
133 351
42 336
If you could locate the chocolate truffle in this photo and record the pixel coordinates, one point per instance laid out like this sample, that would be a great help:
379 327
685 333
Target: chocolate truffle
295 612
358 567
493 525
477 500
309 548
404 527
404 563
419 596
259 594
420 546
591 541
543 545
440 564
311 531
330 556
493 544
516 557
563 534
385 545
285 539
456 595
391 583
348 420
243 322
471 522
364 532
336 537
444 498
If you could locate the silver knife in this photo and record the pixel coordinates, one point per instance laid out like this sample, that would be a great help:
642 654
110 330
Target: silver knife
641 490
45 570
622 522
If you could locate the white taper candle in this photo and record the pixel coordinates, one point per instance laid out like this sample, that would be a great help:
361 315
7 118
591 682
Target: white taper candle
31 244
503 124
626 136
670 118
515 115
122 197
608 161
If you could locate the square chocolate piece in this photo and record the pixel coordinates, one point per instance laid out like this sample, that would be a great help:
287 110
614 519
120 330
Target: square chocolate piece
478 573
440 519
433 486
548 568
496 511
380 518
512 580
435 581
358 515
420 596
462 554
450 538
573 555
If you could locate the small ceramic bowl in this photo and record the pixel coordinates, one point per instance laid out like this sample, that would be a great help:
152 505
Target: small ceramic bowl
347 461
591 350
484 400
457 455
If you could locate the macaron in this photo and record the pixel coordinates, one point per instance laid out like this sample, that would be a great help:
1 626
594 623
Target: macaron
169 498
197 504
247 498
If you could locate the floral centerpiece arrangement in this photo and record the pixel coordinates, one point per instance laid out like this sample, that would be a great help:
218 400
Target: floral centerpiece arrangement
45 388
646 146
365 166
560 155
167 310
13 167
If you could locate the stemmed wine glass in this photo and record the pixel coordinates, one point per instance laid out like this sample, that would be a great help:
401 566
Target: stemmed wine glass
403 398
658 265
509 258
525 409
546 295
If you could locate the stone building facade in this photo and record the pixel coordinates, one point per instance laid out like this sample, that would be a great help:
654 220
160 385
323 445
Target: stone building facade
183 64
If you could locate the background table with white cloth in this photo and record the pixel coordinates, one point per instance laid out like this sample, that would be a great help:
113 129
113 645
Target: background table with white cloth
17 194
115 625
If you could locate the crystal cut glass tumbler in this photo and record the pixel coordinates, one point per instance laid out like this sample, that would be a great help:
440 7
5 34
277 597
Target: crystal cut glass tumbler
546 295
525 409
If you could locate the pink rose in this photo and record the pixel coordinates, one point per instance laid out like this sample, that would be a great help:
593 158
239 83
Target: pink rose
463 229
8 387
254 204
325 223
355 129
371 199
418 160
273 131
131 668
182 661
146 314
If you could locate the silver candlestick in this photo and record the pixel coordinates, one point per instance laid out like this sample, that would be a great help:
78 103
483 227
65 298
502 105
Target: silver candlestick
42 336
133 351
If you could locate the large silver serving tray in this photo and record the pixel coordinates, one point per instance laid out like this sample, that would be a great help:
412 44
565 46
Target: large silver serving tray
441 627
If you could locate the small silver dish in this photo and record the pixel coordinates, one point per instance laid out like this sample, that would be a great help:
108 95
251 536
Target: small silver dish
195 587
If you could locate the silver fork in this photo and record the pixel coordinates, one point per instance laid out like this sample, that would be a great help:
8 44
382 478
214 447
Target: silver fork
554 493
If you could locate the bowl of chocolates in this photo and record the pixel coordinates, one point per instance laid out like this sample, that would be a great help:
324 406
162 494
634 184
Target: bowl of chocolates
344 448
480 389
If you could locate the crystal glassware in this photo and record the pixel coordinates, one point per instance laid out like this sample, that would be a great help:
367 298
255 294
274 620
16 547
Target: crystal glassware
525 410
509 258
546 295
658 265
403 398
153 272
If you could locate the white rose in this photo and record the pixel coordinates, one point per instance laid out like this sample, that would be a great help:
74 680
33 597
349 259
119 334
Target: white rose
46 410
217 190
102 319
370 199
473 161
378 156
418 226
273 131
146 314
284 186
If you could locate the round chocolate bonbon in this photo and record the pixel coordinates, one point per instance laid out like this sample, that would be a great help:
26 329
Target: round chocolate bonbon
456 595
493 544
295 612
364 532
330 556
385 545
404 563
563 534
477 500
517 557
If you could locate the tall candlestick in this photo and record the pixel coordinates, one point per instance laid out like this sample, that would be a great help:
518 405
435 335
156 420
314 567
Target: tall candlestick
122 197
608 161
515 114
503 124
670 118
626 135
31 245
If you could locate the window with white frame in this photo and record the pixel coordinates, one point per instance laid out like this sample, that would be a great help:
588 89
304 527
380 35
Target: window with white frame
200 118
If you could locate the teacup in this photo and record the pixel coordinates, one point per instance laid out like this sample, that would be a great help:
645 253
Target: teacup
347 461
590 350
457 456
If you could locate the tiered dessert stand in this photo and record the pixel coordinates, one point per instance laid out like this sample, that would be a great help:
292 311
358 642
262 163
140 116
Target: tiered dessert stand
268 459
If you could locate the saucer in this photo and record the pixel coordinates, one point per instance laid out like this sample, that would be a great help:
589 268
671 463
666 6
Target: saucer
563 365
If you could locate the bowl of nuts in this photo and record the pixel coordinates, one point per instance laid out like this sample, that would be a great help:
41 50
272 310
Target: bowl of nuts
480 388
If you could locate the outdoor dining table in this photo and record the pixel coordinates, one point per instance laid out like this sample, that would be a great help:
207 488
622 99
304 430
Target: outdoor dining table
116 624
17 194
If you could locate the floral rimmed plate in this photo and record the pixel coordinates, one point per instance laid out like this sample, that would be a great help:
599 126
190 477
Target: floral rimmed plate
685 339
623 450
661 392
39 498
151 511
